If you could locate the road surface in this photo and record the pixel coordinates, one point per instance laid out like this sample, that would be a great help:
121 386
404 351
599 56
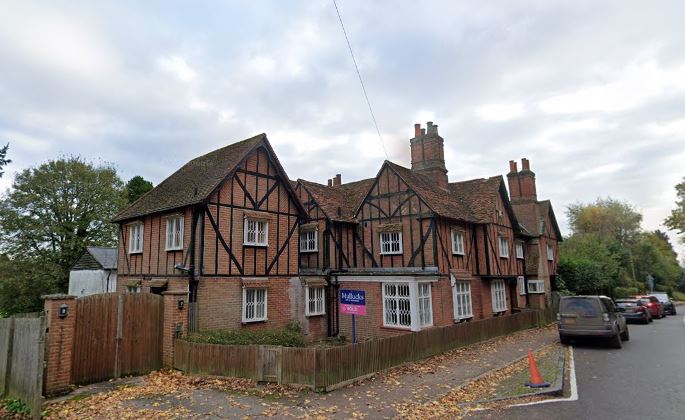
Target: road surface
644 379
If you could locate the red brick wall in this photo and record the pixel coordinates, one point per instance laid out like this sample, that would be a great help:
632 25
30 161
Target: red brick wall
220 305
59 344
174 319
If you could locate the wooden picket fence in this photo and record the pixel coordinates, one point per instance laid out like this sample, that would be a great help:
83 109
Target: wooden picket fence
326 369
22 344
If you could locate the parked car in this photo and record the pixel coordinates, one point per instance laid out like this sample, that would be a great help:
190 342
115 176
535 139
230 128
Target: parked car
591 316
669 306
655 307
634 309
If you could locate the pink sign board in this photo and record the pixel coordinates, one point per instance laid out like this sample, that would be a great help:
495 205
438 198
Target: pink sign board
352 309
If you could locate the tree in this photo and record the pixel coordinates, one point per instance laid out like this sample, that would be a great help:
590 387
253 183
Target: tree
3 158
607 218
23 282
587 265
55 210
676 221
654 256
136 187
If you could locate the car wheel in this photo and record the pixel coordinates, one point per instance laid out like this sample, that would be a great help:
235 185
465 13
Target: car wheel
626 335
673 310
616 341
646 320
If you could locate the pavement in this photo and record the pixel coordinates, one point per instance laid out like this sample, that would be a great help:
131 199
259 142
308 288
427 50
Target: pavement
644 379
382 396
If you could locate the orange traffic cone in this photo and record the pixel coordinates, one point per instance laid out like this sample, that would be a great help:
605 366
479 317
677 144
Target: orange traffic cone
535 377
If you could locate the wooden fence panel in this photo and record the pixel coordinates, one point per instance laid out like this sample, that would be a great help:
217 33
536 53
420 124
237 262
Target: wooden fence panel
216 359
116 334
95 338
298 366
141 333
6 326
28 352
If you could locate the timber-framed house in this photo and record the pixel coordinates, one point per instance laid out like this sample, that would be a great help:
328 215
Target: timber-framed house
255 249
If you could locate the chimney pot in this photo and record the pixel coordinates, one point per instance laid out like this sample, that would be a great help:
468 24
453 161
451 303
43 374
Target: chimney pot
512 166
330 182
423 131
435 129
337 180
525 164
417 130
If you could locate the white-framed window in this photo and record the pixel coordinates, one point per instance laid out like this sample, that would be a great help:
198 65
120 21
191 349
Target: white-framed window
499 297
256 232
391 243
254 304
461 295
136 234
503 247
519 250
308 241
521 285
174 232
133 289
425 306
315 300
457 242
396 305
536 286
550 253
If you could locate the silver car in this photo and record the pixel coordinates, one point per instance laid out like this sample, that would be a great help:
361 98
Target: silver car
591 316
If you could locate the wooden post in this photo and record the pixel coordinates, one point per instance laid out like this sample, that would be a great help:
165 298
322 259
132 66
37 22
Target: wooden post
38 399
119 337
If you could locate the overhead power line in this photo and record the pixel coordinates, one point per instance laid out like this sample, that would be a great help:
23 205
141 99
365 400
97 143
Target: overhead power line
366 96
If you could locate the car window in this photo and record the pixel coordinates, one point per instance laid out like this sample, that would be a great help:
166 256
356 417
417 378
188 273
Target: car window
608 305
580 306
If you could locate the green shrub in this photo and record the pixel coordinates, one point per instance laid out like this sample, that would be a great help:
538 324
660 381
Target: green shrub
624 292
16 406
290 336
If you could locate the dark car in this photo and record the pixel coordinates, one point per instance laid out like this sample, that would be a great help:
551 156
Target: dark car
591 316
669 306
653 305
634 310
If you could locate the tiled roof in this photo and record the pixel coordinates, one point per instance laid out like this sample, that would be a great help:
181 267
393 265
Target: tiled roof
531 217
107 257
193 182
479 196
339 202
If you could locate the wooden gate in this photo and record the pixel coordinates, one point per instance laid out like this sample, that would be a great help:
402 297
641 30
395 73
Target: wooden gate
269 360
116 334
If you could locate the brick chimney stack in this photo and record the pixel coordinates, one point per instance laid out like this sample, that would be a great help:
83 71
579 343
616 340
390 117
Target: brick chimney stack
337 180
521 184
428 153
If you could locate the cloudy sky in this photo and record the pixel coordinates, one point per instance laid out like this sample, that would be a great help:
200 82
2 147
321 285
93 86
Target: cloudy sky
593 93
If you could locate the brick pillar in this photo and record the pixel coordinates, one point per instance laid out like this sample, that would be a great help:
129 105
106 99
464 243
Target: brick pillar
59 343
175 323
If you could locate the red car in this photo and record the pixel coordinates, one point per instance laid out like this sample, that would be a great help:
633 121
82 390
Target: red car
653 305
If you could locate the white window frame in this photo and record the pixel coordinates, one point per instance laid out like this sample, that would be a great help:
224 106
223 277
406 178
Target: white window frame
519 250
503 246
425 305
174 237
499 296
135 244
388 243
308 244
536 286
133 289
521 285
261 228
457 242
550 252
315 296
246 318
461 299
